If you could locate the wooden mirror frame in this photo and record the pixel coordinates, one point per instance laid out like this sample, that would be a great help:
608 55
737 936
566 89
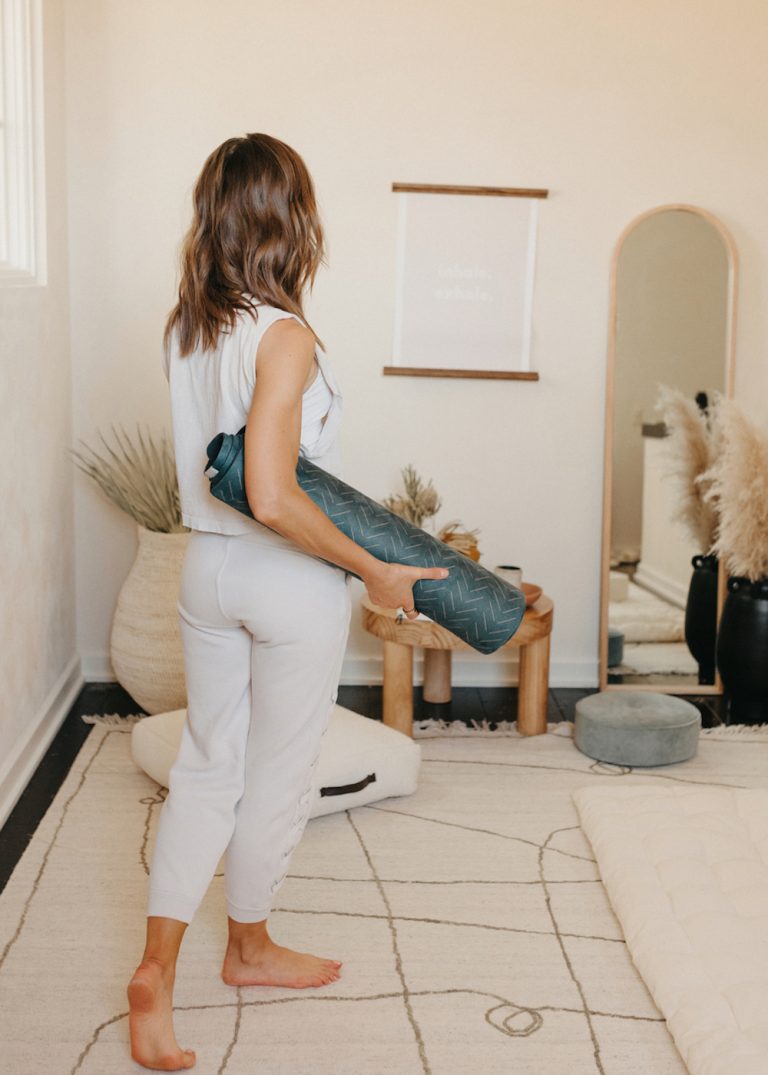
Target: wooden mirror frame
730 340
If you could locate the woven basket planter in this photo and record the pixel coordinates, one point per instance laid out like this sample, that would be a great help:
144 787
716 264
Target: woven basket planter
145 643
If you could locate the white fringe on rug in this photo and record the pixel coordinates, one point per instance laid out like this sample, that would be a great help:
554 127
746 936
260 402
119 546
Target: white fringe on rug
743 733
433 728
113 720
422 729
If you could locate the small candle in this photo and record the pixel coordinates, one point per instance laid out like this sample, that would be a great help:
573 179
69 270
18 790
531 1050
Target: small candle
511 573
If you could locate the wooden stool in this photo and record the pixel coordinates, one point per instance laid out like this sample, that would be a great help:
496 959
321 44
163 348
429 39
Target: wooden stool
400 638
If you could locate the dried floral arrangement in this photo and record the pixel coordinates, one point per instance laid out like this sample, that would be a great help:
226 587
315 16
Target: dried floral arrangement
420 501
735 486
462 540
693 445
140 478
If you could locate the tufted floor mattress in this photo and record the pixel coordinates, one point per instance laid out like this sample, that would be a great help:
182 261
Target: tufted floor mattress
686 871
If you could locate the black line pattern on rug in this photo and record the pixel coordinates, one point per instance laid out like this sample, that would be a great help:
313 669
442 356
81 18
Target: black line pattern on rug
455 881
555 925
503 1026
559 935
237 1004
395 947
622 771
450 922
515 1010
44 862
473 828
150 801
235 1033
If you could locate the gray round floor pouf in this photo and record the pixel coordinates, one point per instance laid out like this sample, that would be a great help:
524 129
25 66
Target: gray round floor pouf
636 728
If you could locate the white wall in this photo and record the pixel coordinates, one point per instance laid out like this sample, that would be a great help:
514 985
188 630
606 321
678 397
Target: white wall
613 106
39 666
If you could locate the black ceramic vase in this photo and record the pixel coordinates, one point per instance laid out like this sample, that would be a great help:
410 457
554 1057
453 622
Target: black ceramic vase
701 615
742 650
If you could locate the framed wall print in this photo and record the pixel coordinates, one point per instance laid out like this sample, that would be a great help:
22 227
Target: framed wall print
464 281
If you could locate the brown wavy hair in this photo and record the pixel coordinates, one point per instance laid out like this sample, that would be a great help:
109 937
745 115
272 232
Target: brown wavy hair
255 235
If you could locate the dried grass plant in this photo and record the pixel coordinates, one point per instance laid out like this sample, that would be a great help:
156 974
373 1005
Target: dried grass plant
692 446
140 478
736 487
460 538
420 501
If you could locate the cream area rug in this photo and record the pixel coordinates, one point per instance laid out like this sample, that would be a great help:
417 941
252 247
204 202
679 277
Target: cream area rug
474 929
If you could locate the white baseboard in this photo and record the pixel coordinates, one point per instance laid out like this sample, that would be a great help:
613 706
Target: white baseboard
369 671
473 673
20 767
97 668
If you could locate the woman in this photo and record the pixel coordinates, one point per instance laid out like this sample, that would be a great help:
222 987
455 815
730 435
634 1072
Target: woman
264 619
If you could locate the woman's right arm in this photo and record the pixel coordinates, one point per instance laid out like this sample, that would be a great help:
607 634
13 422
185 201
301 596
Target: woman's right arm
272 441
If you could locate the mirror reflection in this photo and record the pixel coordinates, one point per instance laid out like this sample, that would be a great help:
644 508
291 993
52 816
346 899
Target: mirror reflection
671 324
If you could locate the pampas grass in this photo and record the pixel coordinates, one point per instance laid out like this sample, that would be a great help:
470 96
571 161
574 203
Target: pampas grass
692 448
736 486
140 478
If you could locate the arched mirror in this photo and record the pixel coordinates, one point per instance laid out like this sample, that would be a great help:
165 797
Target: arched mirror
672 315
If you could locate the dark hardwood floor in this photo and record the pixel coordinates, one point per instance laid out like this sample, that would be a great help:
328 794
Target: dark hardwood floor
491 703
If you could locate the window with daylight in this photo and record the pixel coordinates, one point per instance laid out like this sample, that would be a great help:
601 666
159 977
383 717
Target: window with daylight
22 205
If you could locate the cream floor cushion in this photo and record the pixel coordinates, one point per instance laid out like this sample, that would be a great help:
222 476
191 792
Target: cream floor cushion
686 871
361 760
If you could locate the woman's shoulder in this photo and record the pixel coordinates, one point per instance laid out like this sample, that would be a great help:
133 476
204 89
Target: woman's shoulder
257 317
258 308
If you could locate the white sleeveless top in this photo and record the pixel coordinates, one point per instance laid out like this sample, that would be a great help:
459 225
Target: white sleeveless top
211 392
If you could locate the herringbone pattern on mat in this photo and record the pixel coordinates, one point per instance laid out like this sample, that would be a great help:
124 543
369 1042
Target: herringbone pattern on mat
472 602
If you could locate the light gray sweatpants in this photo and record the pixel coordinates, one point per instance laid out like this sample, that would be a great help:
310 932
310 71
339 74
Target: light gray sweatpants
264 627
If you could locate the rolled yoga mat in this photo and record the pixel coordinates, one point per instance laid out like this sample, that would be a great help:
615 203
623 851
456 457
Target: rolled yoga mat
472 602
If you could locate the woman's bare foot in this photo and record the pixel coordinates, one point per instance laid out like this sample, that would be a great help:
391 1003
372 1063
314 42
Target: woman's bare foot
257 960
153 1042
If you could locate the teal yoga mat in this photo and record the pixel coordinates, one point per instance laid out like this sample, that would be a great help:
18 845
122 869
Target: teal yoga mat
475 604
